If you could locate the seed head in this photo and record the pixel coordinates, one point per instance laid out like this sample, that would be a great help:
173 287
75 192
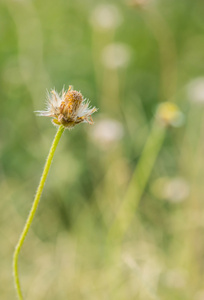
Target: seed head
68 108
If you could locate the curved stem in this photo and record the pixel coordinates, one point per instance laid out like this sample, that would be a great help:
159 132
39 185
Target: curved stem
33 210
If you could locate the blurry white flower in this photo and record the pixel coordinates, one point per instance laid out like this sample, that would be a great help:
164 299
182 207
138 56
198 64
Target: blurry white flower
171 189
169 114
176 190
195 90
106 16
116 55
107 132
68 108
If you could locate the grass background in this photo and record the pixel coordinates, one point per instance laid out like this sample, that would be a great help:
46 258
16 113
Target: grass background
126 59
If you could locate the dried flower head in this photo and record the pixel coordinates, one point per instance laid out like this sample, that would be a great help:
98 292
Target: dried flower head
68 108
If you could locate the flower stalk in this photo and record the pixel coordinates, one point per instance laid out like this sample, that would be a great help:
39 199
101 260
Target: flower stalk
67 110
33 210
137 184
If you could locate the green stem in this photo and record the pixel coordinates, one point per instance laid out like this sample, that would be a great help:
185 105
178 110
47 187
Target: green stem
137 184
33 211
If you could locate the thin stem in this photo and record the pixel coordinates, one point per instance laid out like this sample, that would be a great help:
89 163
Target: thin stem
138 183
33 210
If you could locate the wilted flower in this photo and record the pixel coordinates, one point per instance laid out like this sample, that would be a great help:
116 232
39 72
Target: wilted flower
68 108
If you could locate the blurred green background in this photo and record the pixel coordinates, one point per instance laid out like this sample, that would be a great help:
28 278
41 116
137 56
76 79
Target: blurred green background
114 222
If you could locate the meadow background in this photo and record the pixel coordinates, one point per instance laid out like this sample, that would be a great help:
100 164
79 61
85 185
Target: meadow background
115 221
